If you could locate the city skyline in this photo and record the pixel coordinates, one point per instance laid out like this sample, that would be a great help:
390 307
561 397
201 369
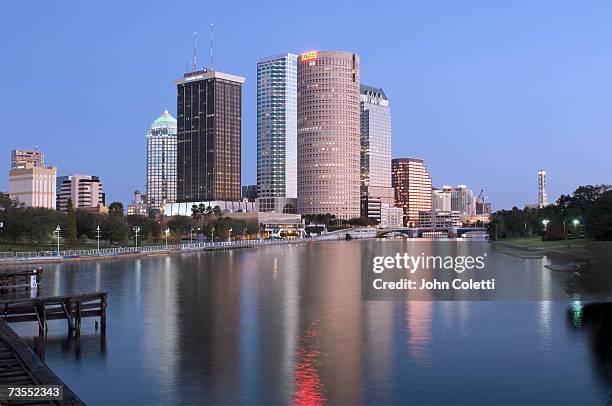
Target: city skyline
464 91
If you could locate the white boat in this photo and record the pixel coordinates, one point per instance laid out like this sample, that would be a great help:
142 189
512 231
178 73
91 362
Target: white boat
476 235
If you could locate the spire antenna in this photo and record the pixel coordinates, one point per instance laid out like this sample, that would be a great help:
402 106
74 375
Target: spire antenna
194 60
212 67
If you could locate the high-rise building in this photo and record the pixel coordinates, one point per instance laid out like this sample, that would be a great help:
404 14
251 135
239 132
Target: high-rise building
161 162
375 128
249 192
542 196
328 134
462 200
209 136
21 157
441 199
138 207
33 185
86 192
276 131
412 184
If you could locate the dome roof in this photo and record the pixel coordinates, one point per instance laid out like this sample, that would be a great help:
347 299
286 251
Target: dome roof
165 118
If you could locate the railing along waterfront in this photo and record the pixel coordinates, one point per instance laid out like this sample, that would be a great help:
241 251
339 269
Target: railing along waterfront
147 249
193 246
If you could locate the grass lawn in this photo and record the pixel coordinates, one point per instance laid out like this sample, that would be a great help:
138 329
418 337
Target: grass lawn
536 242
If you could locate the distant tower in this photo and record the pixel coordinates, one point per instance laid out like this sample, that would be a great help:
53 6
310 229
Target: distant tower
161 162
542 197
412 183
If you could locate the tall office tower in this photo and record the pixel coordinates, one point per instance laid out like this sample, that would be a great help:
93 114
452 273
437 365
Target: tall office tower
328 134
33 185
276 132
21 157
441 199
209 136
161 162
86 192
376 190
412 184
462 200
542 196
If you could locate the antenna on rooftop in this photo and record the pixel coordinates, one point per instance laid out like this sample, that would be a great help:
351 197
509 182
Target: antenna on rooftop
194 60
212 67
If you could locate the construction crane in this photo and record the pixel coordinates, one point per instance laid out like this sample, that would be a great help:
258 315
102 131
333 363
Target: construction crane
478 199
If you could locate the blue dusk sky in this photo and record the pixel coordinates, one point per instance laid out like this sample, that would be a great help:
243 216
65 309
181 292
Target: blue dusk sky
485 92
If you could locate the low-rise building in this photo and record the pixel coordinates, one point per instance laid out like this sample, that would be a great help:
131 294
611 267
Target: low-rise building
391 217
277 204
439 219
226 206
138 206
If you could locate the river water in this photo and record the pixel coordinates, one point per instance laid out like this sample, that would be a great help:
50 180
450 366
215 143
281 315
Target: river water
287 324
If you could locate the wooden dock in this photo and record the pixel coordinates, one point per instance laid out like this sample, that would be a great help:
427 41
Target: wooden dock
71 308
19 365
19 279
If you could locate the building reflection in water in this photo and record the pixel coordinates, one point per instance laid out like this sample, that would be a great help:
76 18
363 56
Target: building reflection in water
330 292
308 386
545 307
418 324
594 320
290 314
160 352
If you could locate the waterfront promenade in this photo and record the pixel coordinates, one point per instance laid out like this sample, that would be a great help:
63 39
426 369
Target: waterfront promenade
30 257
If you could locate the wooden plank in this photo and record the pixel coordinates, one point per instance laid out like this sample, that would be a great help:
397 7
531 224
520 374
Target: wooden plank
38 372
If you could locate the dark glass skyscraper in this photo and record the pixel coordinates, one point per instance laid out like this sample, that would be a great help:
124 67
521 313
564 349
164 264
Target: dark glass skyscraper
209 136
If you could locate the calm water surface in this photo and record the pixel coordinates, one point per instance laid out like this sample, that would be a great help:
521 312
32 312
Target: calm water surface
288 325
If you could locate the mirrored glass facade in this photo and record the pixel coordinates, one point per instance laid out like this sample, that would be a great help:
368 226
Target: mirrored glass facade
277 126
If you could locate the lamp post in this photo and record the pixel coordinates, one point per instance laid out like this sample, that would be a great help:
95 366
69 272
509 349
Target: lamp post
136 231
525 234
545 222
98 237
212 234
58 231
230 234
166 232
576 223
191 236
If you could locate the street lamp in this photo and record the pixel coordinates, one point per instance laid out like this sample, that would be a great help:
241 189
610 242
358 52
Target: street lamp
191 236
212 234
98 237
167 232
230 234
545 222
58 231
576 223
136 231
